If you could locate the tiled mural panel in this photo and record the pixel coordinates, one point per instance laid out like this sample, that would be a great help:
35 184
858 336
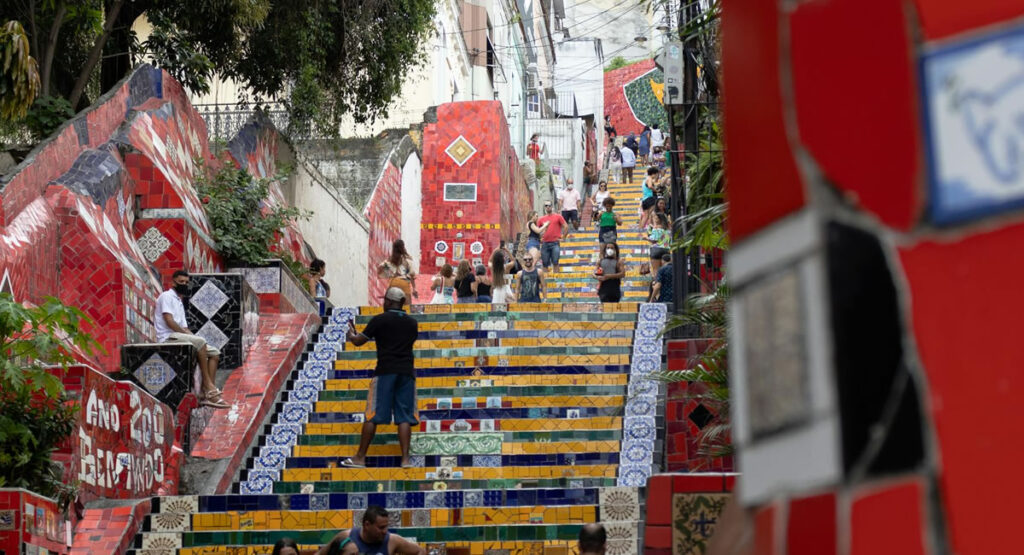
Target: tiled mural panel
223 310
683 510
384 212
124 444
30 523
631 97
29 252
168 371
469 145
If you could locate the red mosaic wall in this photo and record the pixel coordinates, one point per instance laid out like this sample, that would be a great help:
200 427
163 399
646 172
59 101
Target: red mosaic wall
502 198
384 212
682 511
682 431
926 499
119 423
30 523
615 103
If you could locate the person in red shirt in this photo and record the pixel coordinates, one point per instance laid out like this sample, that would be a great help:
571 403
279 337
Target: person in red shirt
550 248
534 149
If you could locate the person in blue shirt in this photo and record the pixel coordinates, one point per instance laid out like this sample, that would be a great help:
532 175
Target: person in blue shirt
662 291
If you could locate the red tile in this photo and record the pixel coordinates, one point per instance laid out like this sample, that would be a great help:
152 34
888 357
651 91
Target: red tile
659 499
764 531
979 512
890 520
942 18
837 109
756 141
811 525
658 537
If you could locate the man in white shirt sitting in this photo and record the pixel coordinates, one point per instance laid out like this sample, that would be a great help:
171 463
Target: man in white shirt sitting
171 326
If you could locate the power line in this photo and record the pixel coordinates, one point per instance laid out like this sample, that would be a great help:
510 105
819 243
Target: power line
605 24
600 63
538 18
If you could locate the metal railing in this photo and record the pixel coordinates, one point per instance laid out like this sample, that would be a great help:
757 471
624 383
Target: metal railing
223 121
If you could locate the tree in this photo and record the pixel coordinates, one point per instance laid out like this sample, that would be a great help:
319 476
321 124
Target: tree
19 81
34 414
616 63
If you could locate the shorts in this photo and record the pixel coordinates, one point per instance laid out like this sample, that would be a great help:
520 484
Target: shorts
550 253
611 294
648 203
658 252
392 397
607 234
532 244
571 216
196 341
483 298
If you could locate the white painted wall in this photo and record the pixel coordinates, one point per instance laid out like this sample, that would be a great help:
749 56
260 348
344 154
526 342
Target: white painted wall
616 23
412 206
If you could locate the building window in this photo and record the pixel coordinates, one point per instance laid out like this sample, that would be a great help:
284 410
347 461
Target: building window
460 192
533 103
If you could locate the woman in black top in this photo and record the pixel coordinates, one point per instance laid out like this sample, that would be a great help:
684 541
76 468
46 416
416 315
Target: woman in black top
609 273
483 285
465 284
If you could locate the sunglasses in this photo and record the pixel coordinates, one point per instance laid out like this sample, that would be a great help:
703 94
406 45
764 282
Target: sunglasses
527 260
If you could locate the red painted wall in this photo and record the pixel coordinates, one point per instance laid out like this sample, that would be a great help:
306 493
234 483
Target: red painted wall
384 212
615 103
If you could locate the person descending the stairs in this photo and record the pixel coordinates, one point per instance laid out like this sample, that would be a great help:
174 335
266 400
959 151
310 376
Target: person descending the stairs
597 200
571 204
609 222
609 273
533 240
530 281
557 229
392 393
372 538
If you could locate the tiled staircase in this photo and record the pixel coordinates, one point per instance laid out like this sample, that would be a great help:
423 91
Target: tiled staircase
535 420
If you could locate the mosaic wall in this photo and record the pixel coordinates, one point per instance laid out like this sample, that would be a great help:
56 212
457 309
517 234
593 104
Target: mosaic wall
686 415
30 523
850 341
683 510
463 148
124 445
633 97
384 212
223 310
277 289
168 371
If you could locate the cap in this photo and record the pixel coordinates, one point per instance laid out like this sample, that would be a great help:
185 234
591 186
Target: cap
395 294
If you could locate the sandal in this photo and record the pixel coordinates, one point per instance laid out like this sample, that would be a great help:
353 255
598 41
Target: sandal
347 463
213 399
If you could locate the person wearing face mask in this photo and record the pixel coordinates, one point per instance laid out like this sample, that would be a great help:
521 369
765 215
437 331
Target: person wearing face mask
609 273
171 325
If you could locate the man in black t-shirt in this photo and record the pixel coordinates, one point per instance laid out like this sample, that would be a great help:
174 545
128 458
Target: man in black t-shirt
392 394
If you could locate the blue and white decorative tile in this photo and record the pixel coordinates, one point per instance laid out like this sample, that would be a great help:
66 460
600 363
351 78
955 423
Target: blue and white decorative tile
644 364
284 435
212 334
208 299
396 500
304 394
653 312
648 348
634 475
259 484
434 500
639 428
333 333
637 452
319 502
357 501
340 316
487 461
418 461
641 405
648 331
473 498
263 280
259 474
155 374
280 449
271 460
314 371
324 352
294 413
641 386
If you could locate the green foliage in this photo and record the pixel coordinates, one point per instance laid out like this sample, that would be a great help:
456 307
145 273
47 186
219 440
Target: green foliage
19 81
34 415
616 63
244 223
168 48
47 114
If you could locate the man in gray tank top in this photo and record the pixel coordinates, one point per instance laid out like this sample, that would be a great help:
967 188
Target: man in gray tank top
529 281
372 538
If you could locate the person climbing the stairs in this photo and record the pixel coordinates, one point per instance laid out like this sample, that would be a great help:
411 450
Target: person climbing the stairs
392 393
372 538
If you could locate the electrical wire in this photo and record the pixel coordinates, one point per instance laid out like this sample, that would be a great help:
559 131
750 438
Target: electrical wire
605 24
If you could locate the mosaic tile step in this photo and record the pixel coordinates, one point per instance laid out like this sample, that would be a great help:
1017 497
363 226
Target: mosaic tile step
439 402
529 350
499 416
516 440
482 392
422 473
461 370
605 497
504 448
536 341
430 485
624 332
538 531
555 547
470 383
485 312
524 424
465 461
519 361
